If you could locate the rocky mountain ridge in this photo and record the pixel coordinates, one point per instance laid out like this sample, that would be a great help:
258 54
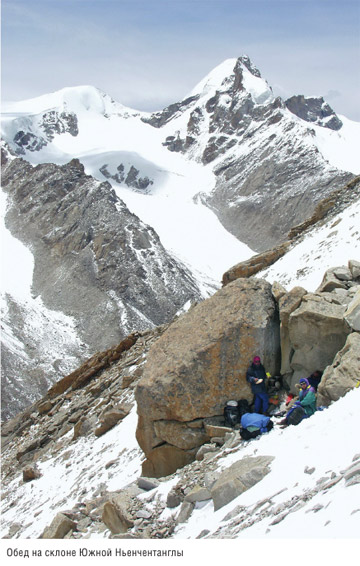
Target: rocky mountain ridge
265 162
93 261
269 168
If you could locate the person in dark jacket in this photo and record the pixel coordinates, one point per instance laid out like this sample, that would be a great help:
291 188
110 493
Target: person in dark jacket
315 378
256 376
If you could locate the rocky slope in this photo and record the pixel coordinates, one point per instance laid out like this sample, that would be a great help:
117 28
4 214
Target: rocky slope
94 261
82 433
325 218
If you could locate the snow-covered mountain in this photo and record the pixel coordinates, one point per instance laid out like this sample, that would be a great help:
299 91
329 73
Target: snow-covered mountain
218 176
229 145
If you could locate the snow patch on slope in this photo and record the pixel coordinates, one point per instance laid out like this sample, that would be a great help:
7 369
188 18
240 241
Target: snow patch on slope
340 148
330 245
213 80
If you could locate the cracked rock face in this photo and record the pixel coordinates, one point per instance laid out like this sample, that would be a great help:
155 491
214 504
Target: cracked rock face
94 261
343 374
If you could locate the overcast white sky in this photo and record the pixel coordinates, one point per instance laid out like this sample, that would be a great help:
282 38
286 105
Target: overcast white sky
149 53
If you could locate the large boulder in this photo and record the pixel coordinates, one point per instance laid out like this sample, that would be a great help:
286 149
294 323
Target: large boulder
288 303
352 313
317 331
337 278
199 363
239 477
314 326
343 374
256 263
59 527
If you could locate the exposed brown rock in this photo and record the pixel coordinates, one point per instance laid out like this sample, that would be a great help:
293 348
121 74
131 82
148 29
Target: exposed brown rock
255 264
239 477
111 417
59 527
166 459
201 360
91 367
317 331
352 313
288 303
31 473
45 407
180 434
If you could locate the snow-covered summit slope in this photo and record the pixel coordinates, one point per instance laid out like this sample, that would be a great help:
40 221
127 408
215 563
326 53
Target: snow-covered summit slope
196 160
271 166
220 78
76 99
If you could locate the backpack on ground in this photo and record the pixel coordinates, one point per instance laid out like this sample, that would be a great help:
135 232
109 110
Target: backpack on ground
295 416
231 414
243 407
248 435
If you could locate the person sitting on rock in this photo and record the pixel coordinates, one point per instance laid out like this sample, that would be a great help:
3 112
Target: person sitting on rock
254 424
304 407
256 376
315 378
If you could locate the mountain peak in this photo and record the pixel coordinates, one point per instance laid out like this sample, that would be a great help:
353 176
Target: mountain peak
246 61
74 99
233 76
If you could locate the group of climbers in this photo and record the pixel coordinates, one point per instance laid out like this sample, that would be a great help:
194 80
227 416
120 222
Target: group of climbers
298 408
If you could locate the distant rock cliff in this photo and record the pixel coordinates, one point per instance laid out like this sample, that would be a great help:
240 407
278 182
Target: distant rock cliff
93 261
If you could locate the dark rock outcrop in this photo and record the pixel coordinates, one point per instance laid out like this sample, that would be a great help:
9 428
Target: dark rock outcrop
46 127
314 110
